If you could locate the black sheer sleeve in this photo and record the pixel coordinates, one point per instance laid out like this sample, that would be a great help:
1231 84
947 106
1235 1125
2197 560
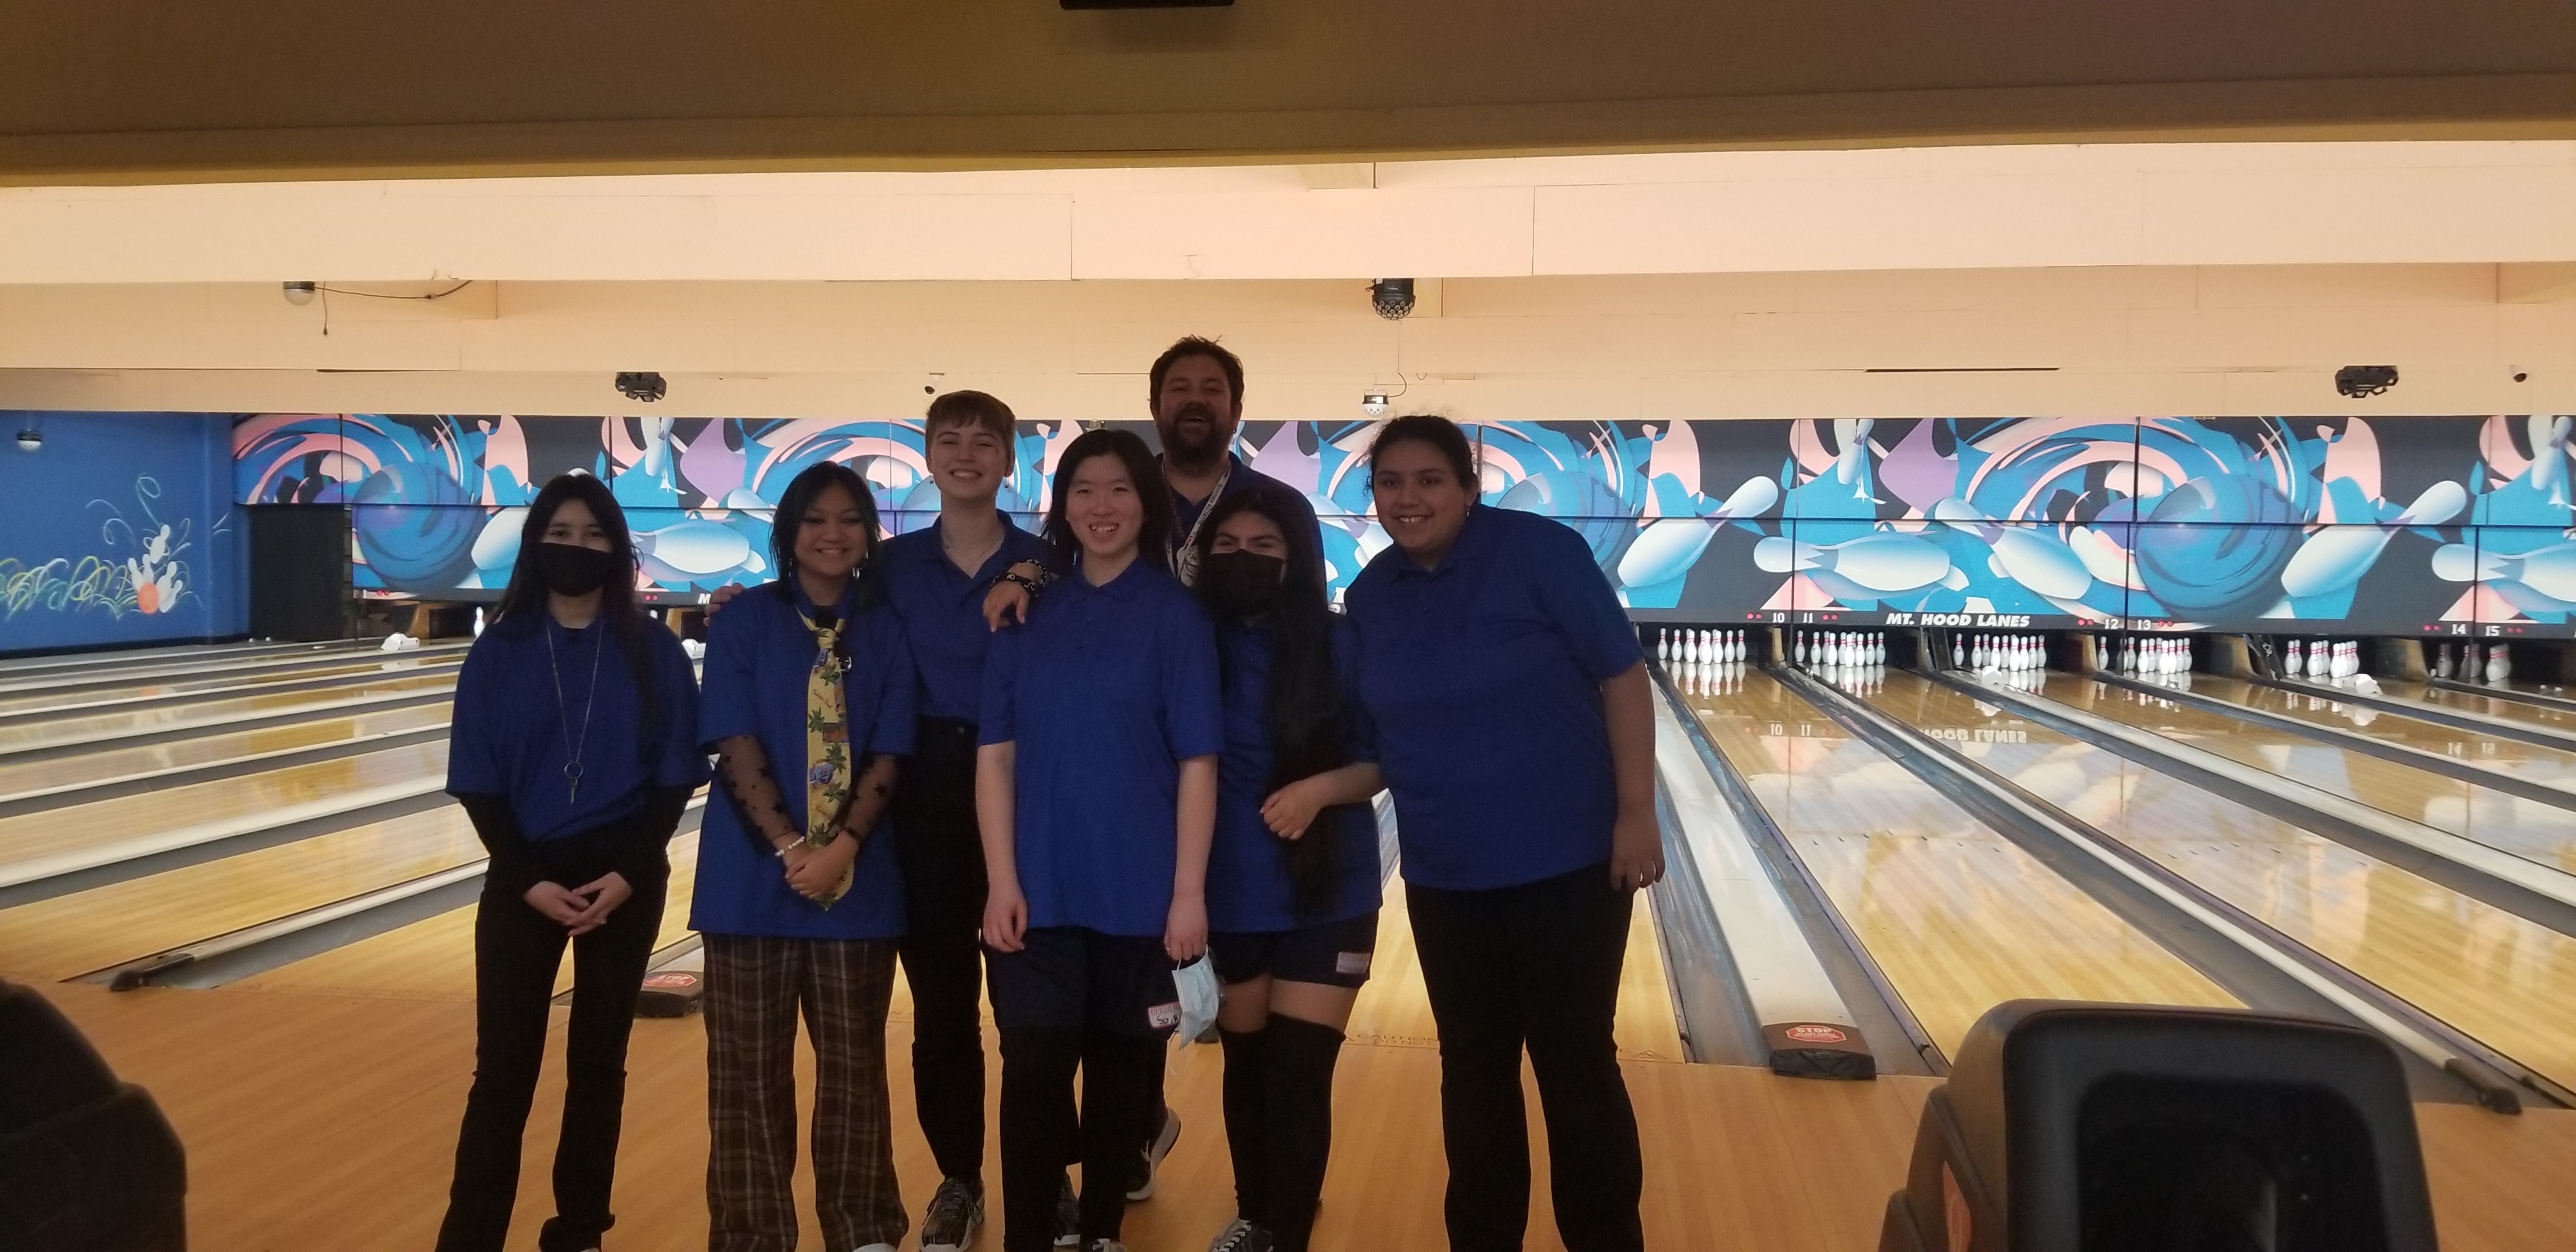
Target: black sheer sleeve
515 866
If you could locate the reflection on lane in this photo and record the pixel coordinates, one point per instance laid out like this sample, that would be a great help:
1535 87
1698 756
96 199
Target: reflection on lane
2507 981
2534 830
2549 767
1958 917
2541 716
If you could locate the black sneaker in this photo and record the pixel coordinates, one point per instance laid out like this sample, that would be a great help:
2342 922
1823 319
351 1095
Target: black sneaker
1241 1236
1068 1217
956 1210
1140 1186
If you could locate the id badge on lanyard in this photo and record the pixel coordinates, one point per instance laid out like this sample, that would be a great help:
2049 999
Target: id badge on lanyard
1185 558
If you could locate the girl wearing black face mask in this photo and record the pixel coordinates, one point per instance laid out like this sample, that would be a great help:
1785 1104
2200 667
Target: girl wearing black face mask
573 751
1293 878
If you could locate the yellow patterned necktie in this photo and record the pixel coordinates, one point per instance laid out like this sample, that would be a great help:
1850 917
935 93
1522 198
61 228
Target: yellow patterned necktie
827 747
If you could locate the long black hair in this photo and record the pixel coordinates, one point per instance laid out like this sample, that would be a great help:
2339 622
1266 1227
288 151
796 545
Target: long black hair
1307 715
523 603
1154 543
802 491
1444 437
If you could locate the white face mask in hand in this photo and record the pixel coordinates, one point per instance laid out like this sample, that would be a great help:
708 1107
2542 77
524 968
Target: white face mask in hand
1197 984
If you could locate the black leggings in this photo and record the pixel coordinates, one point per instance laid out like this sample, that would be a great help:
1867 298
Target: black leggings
1536 966
517 952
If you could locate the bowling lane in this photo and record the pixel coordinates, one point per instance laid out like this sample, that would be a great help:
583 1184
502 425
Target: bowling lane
192 715
2510 983
1958 917
433 959
30 777
2453 700
107 699
174 679
90 930
2539 832
2549 767
187 653
49 831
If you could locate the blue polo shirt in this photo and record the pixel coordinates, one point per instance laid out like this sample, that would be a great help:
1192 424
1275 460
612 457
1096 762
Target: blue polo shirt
1483 676
1238 480
508 735
759 654
1248 888
942 609
1105 690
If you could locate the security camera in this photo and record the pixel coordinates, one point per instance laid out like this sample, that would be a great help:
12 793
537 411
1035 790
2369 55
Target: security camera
642 386
1392 298
29 440
299 293
1374 404
2357 382
2519 374
931 388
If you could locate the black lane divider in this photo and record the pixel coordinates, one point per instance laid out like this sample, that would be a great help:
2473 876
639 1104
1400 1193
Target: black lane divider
1864 986
2423 712
257 949
2536 699
2468 880
213 771
447 666
2490 1078
2353 740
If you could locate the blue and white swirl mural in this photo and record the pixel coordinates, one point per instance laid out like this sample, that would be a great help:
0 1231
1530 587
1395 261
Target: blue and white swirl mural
2406 524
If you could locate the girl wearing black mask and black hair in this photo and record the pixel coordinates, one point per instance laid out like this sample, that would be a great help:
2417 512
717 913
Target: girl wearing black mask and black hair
1293 877
573 752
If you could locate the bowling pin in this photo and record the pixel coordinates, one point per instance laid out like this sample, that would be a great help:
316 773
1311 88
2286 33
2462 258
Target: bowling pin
2499 663
1734 647
2293 657
2318 663
478 623
1958 652
2446 662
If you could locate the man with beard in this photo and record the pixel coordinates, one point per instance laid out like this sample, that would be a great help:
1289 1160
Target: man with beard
1195 393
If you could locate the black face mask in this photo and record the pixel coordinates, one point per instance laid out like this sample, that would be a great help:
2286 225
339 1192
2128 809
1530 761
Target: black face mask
569 569
1242 582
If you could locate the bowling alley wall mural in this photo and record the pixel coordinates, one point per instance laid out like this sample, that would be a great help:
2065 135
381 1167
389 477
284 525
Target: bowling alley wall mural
120 529
2281 525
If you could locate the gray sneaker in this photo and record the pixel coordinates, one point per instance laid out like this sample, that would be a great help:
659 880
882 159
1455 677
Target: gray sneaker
1140 1186
1241 1236
1068 1217
956 1210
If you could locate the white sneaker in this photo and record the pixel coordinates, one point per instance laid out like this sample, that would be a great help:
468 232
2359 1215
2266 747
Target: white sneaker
1107 1245
878 1247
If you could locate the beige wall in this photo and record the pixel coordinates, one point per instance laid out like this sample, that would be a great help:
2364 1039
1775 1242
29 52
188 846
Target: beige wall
147 89
2211 340
1663 213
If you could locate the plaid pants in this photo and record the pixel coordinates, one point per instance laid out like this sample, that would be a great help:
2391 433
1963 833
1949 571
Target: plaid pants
754 988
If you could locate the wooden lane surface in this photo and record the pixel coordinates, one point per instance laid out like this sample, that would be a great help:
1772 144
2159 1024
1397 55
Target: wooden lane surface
217 712
91 930
2538 716
2509 982
124 658
18 693
2530 762
1393 1010
48 831
433 958
111 700
1958 917
2531 829
349 1147
217 749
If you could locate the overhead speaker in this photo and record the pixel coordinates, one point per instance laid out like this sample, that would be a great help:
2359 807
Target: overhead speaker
1147 4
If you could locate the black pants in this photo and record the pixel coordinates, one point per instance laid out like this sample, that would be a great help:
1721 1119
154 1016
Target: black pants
1075 999
1536 966
517 952
942 854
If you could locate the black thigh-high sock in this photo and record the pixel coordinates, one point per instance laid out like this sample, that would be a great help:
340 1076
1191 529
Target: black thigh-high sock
1039 1131
1247 1129
1299 1059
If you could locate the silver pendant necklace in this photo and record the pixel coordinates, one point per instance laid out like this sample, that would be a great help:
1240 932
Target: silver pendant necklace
563 712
